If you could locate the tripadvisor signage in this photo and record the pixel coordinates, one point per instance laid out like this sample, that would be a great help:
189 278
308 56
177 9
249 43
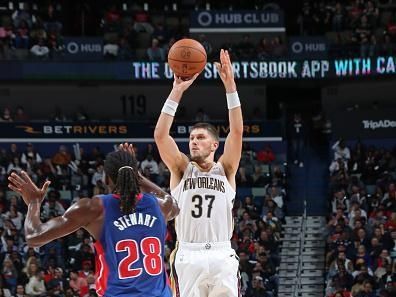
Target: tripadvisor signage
366 124
249 70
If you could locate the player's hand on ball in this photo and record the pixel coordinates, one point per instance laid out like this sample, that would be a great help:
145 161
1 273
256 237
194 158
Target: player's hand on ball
226 72
181 84
22 184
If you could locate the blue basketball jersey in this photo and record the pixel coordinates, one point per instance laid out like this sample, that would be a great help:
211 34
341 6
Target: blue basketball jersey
130 252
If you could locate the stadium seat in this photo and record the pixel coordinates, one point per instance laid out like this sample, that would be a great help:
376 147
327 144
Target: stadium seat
265 169
385 17
243 192
157 19
172 22
21 54
143 40
370 189
281 158
65 194
111 37
141 53
9 194
258 201
258 191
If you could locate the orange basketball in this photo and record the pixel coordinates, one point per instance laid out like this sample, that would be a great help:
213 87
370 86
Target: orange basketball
187 57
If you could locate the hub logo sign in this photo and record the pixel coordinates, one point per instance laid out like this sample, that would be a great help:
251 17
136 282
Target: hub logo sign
308 47
83 48
224 21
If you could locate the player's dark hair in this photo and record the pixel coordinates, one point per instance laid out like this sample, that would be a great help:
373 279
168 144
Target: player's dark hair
209 127
121 167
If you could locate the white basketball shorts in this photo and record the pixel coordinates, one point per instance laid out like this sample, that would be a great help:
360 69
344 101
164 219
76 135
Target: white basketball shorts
205 270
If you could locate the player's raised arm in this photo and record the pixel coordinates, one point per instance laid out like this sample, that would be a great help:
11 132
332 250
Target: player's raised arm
37 233
167 147
233 145
168 205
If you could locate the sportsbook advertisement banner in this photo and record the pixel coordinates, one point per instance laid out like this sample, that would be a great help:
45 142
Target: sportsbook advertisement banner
253 70
365 124
127 130
218 21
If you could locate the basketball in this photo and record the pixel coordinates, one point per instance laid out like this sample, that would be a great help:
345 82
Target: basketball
187 57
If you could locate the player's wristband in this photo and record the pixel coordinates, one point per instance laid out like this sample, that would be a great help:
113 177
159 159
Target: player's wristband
170 107
233 100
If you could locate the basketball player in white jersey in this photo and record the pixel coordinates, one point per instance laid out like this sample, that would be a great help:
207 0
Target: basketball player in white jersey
203 264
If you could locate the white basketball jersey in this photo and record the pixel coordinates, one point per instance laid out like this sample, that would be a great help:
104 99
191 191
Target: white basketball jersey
205 200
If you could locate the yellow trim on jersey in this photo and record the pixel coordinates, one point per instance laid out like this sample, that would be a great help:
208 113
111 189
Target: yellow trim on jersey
173 275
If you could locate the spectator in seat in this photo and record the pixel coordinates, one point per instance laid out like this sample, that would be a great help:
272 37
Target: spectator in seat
21 38
13 152
341 151
373 47
264 49
142 22
372 13
30 153
20 115
86 269
112 19
338 18
98 175
77 283
5 40
15 165
125 52
271 206
258 289
161 33
155 52
272 221
276 195
266 155
6 116
206 44
62 157
250 207
40 50
337 165
53 205
367 290
55 44
58 115
152 166
387 46
23 15
51 19
20 291
245 49
278 48
36 285
4 291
